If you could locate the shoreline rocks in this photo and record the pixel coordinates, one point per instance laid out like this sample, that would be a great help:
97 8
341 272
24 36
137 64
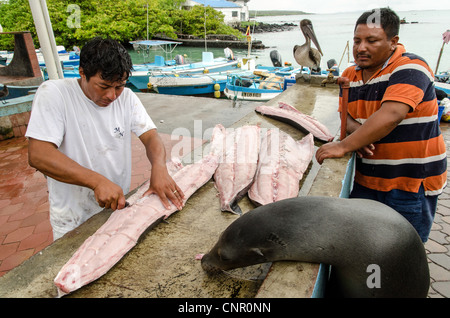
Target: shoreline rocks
231 41
268 27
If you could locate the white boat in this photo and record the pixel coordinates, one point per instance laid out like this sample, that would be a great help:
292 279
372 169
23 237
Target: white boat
442 81
262 84
443 86
71 58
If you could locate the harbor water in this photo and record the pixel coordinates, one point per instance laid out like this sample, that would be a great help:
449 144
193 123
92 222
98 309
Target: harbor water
422 35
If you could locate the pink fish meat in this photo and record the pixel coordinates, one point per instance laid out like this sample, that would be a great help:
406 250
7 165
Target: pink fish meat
238 166
282 162
173 166
294 117
101 251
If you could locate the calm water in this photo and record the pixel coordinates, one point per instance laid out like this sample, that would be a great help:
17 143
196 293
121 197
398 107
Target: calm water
333 31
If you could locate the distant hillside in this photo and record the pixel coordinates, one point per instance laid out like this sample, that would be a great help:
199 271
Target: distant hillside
266 13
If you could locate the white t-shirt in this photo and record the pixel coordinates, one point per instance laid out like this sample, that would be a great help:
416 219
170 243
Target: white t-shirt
98 138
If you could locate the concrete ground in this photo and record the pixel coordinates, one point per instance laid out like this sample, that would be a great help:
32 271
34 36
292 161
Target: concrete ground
24 221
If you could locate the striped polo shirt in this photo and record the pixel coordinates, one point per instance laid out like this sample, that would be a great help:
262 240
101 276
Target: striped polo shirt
414 152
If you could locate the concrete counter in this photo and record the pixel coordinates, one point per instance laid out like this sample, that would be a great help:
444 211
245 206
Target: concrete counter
163 263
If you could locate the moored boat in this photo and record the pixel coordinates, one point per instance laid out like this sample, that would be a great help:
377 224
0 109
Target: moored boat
442 81
188 84
262 84
443 86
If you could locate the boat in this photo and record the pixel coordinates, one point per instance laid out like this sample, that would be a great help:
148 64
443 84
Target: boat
68 72
262 84
205 84
443 86
71 58
15 91
442 81
140 75
188 84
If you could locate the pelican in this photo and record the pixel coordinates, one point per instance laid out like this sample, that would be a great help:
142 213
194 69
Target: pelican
305 55
3 93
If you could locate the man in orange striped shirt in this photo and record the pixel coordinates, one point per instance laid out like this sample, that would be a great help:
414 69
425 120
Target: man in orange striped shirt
392 123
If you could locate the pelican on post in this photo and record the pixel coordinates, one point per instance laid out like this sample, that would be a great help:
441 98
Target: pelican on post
305 55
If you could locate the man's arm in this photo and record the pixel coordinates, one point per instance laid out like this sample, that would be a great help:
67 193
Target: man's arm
45 157
352 126
161 182
377 126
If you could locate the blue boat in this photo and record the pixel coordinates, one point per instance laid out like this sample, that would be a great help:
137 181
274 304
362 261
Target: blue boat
188 84
68 72
15 91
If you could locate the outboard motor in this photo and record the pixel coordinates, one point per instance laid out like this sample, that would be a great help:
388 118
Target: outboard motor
275 56
179 59
229 54
243 82
332 64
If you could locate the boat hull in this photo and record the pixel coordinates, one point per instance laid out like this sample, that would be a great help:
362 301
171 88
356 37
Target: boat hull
187 84
250 94
205 89
443 86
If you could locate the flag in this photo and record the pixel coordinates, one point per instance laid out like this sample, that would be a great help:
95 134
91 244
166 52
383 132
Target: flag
249 37
446 36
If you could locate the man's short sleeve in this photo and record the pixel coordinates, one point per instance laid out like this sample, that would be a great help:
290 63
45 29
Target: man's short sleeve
409 84
47 121
140 121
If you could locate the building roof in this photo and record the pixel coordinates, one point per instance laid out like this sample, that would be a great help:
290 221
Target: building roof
217 3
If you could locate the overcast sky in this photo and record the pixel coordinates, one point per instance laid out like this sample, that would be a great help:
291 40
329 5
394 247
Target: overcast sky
330 6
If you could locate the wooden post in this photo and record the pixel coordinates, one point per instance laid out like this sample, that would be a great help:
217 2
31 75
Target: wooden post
439 58
446 39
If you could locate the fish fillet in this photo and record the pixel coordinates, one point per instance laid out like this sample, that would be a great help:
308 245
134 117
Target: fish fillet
173 166
237 169
294 117
101 251
282 163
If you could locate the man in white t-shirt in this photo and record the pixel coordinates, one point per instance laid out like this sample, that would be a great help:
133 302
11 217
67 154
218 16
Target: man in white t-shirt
79 136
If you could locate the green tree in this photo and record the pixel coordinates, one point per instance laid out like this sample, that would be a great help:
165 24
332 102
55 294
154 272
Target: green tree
123 20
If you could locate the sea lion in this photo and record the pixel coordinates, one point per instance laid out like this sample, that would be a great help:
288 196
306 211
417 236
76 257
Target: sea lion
373 250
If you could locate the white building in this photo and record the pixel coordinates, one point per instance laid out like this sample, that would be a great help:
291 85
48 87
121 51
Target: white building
234 10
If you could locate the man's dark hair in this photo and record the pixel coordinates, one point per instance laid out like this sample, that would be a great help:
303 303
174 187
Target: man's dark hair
389 20
107 57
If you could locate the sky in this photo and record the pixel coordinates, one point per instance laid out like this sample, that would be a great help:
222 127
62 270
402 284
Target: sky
332 6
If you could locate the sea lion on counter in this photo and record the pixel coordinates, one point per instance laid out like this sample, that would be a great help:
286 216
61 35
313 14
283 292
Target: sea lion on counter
373 250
